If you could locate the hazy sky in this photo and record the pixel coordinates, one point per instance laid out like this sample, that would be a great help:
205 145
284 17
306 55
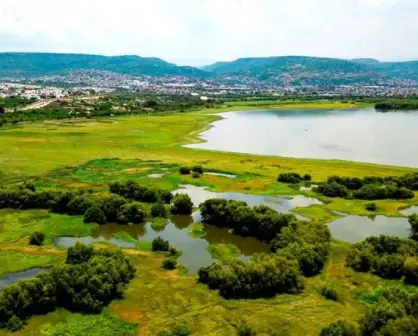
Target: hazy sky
201 31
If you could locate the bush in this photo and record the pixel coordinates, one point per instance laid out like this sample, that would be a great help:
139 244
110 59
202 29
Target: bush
245 330
376 192
307 177
111 205
132 190
411 271
131 213
181 330
184 170
371 207
195 175
329 292
197 169
413 221
158 210
289 178
37 238
332 189
169 264
95 215
182 205
340 328
159 244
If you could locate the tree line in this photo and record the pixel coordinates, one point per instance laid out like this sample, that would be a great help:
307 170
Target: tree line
370 187
88 281
98 208
397 105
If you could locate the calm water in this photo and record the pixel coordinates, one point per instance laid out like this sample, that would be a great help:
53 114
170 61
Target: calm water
355 135
195 254
12 278
353 229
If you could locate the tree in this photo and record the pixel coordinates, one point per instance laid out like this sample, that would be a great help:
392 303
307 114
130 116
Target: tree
182 205
197 169
131 213
413 221
95 215
37 238
340 328
79 205
169 264
158 210
159 244
2 110
184 170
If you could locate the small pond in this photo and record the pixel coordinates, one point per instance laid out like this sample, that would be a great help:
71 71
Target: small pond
15 277
409 211
353 229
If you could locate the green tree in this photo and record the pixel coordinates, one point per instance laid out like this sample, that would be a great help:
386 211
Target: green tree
182 205
95 215
37 238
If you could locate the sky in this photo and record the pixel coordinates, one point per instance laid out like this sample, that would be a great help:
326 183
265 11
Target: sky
198 32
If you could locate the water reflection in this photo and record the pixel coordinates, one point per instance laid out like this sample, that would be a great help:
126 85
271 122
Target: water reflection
353 229
15 277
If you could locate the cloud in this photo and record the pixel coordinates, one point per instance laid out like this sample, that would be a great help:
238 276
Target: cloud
193 30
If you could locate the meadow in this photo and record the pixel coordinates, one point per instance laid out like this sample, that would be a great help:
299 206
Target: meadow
89 154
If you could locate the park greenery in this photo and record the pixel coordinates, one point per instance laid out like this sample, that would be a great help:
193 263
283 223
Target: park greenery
63 177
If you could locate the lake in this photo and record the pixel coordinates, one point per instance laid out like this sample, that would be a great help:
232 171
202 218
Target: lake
362 135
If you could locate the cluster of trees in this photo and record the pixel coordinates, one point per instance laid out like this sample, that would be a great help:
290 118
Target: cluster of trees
260 221
370 187
393 105
109 208
132 190
185 170
264 276
87 282
300 249
386 256
293 178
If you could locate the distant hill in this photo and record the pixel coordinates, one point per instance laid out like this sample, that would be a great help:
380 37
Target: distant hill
296 70
39 64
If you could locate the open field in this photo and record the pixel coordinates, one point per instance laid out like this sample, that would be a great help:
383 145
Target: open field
92 153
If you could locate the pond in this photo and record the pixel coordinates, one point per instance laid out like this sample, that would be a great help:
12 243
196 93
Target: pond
15 277
353 229
354 135
195 254
409 211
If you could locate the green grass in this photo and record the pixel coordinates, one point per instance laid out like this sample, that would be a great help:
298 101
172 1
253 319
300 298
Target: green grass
196 230
225 253
17 224
317 213
15 262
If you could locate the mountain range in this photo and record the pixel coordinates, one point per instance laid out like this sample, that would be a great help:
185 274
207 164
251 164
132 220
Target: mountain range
283 70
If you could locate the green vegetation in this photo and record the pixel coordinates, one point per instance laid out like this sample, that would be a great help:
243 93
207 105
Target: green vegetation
89 281
197 230
159 244
37 238
293 178
182 205
397 105
225 253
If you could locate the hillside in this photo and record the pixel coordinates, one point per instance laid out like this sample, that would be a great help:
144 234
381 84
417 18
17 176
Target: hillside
297 70
39 64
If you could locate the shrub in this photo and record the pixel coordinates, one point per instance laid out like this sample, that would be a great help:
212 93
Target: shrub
131 213
182 205
132 190
158 210
184 170
159 244
307 177
246 330
169 264
289 178
413 221
332 189
411 270
95 215
195 175
340 328
371 207
111 205
37 238
197 169
27 186
329 292
181 330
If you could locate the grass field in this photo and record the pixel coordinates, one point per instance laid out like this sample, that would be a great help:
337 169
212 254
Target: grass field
92 153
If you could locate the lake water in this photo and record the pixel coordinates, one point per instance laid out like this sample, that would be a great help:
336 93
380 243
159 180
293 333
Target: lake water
15 277
354 229
355 135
